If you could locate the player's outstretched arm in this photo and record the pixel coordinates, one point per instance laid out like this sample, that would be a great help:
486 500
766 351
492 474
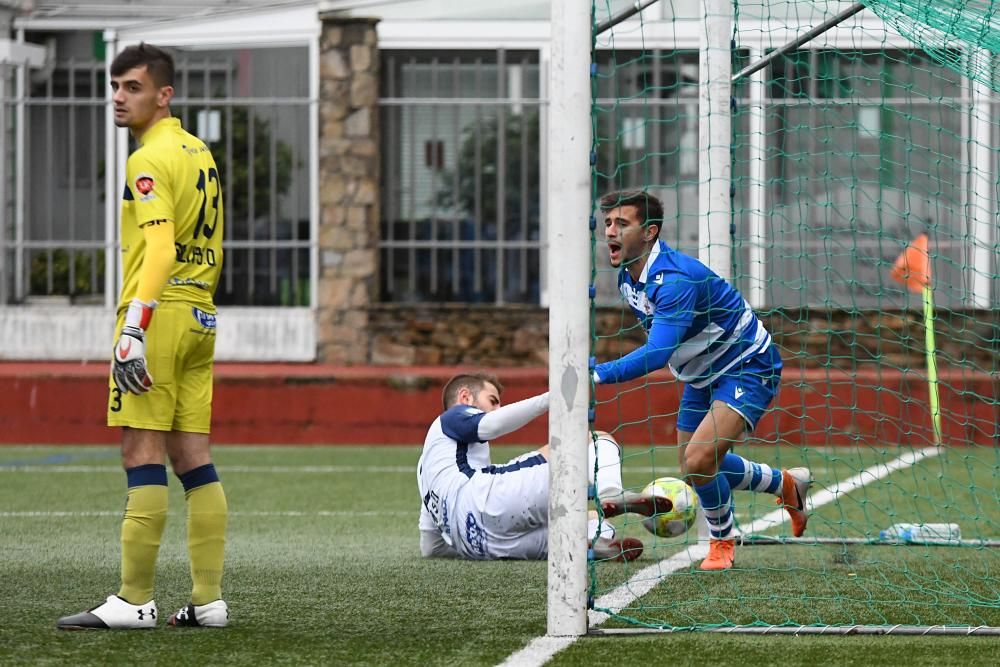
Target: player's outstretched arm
509 418
128 367
664 337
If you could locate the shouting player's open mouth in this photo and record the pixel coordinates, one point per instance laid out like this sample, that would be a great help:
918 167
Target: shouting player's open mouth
615 252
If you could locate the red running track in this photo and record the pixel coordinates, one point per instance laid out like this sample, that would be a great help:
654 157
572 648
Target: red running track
65 403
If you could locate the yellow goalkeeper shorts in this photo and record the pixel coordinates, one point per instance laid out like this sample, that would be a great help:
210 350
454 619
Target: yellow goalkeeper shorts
180 351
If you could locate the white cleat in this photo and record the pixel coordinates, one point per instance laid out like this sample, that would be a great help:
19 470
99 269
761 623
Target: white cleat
211 615
114 614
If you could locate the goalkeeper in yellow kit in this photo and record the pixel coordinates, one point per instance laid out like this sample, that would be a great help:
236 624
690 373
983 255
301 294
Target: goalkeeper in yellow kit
161 375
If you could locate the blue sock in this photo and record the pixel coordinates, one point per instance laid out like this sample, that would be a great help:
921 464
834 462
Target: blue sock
748 475
715 499
199 476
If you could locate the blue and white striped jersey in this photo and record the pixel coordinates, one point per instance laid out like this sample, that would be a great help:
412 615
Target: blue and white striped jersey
696 322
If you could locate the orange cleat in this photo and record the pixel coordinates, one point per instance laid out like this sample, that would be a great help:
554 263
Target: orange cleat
721 555
621 551
795 483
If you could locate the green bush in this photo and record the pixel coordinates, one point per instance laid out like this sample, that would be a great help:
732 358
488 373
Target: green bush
59 260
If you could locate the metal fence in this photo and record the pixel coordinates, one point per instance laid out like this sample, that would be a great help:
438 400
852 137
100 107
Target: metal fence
863 150
460 176
460 149
59 247
250 106
8 179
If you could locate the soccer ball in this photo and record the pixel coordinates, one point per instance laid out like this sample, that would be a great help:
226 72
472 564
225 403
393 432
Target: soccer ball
681 517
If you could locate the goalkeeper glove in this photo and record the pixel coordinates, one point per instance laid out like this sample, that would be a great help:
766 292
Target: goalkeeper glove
128 366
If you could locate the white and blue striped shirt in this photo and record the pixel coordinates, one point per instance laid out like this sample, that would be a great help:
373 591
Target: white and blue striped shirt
696 322
457 446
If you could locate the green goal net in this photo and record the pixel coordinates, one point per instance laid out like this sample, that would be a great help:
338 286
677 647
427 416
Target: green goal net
843 156
963 35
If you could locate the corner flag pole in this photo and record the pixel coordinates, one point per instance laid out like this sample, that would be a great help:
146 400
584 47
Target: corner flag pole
932 380
913 269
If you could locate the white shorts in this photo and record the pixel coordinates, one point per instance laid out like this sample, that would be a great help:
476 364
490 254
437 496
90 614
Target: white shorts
504 512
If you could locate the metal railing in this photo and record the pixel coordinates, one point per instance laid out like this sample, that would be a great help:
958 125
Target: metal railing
53 205
461 177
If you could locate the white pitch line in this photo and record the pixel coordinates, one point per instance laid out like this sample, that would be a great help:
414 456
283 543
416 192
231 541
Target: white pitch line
829 494
538 651
541 649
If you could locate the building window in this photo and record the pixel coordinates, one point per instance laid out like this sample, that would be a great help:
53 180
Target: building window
864 149
460 177
251 112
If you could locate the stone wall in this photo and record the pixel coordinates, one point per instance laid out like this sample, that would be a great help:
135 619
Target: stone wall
348 178
458 334
505 336
896 339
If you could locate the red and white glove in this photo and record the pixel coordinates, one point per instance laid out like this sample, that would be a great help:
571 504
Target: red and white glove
128 366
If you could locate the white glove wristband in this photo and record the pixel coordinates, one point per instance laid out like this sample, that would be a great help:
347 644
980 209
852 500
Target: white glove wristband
139 314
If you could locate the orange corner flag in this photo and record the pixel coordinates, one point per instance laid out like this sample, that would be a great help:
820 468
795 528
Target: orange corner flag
913 266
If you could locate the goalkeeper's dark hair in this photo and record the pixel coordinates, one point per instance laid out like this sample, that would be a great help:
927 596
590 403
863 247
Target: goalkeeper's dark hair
158 62
649 207
474 382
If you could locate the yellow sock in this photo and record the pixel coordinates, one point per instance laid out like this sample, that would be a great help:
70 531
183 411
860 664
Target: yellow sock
142 527
207 513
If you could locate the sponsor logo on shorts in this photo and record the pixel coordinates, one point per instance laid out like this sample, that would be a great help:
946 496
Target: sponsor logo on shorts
206 320
474 535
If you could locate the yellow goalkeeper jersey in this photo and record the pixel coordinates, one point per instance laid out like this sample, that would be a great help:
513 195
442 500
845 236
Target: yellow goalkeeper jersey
172 176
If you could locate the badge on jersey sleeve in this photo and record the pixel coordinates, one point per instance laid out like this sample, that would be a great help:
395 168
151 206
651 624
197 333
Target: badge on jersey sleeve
144 184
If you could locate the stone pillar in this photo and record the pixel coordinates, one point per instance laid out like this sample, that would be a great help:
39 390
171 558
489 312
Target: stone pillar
348 187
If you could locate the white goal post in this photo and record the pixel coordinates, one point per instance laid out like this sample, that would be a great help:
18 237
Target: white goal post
569 207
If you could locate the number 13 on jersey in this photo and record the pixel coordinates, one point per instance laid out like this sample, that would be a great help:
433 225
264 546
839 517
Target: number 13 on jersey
206 224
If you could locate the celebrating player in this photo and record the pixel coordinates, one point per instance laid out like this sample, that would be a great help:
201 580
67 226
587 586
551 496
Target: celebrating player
161 375
473 509
714 343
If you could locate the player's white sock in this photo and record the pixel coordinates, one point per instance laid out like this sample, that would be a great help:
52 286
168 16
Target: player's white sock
607 530
716 501
750 475
607 456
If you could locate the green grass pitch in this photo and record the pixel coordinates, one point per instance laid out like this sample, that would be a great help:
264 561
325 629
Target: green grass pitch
323 568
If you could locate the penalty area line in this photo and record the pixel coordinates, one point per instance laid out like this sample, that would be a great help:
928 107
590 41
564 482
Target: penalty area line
541 649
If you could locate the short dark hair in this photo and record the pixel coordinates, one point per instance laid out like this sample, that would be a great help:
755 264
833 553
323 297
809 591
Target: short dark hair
649 207
158 62
474 382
